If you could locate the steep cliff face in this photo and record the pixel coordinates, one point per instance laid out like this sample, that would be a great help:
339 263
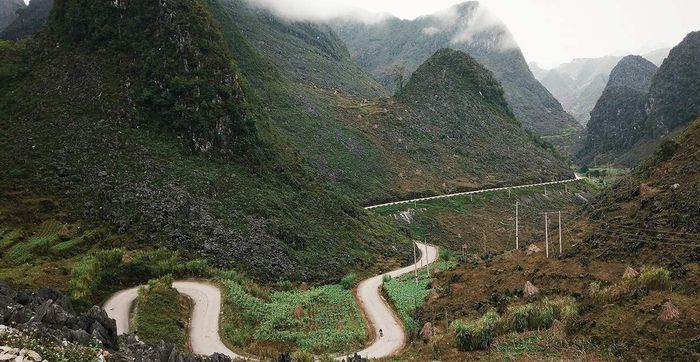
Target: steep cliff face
8 11
674 95
385 47
618 117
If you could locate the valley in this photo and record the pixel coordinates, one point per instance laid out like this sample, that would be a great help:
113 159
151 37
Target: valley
232 180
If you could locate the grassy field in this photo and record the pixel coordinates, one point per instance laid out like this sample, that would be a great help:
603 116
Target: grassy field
264 322
162 313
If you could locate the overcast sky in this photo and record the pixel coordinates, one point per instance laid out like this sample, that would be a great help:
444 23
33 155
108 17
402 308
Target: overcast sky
551 32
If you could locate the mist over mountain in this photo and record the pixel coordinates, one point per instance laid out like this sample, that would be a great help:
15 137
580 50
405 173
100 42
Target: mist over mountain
393 46
578 84
8 11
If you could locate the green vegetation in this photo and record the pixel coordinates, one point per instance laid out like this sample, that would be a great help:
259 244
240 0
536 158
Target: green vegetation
476 335
161 313
655 278
49 349
407 293
471 336
651 278
348 281
321 319
105 271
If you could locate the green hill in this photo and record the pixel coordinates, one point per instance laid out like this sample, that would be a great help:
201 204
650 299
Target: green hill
140 131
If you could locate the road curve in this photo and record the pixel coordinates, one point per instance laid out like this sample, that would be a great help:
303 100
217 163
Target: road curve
380 314
204 323
576 178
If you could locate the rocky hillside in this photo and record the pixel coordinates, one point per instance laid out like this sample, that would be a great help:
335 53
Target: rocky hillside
616 120
385 48
628 268
674 96
673 100
141 128
8 11
30 19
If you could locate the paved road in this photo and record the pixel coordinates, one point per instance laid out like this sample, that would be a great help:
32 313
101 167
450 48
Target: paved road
204 323
576 177
380 315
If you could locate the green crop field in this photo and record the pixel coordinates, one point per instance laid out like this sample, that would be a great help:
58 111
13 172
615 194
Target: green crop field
322 319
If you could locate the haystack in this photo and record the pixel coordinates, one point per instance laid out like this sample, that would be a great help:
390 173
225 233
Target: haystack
433 294
630 273
530 289
427 332
298 311
531 249
669 312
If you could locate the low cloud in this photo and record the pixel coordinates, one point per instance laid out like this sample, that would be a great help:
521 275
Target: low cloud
472 21
431 30
316 10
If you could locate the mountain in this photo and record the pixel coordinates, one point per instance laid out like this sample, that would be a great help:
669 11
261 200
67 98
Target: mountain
616 121
578 84
354 138
8 11
674 96
537 71
141 133
29 21
673 100
393 46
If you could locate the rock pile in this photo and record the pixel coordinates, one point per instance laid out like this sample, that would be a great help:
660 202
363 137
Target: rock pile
19 355
49 314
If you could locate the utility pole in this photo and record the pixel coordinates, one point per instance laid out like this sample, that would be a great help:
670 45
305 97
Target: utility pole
566 187
517 240
559 232
471 197
415 262
509 193
546 236
427 267
545 190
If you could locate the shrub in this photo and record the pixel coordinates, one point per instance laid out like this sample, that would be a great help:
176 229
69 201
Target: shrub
655 278
445 254
471 336
302 356
386 278
540 315
348 281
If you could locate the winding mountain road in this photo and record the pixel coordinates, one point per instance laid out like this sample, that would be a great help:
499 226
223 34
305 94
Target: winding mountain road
204 325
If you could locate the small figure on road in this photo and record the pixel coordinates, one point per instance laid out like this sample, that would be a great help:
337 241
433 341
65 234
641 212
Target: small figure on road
381 333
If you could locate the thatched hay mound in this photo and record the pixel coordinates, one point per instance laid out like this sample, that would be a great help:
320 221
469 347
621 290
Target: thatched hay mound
530 289
669 312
